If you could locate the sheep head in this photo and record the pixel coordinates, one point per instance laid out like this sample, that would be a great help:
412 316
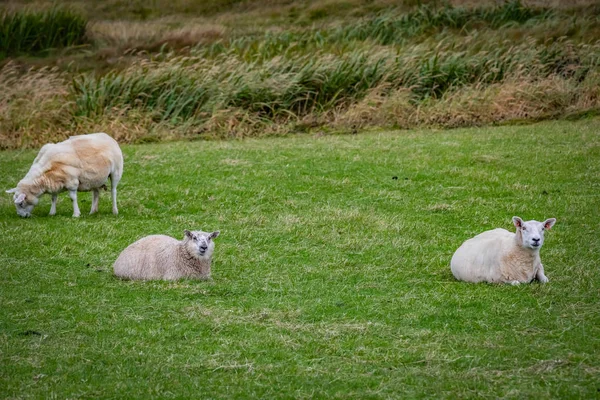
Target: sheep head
200 244
530 234
23 202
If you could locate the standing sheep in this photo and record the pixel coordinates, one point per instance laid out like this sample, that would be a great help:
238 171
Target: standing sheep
163 257
499 256
80 163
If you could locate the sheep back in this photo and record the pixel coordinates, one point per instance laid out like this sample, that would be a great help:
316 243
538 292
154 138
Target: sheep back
479 259
81 162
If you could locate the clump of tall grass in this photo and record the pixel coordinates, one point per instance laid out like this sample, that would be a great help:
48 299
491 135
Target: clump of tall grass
186 87
33 106
194 88
167 93
388 29
518 98
28 31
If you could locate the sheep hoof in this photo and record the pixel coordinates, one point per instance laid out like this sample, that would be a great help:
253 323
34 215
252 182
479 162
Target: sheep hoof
76 215
515 283
52 213
543 279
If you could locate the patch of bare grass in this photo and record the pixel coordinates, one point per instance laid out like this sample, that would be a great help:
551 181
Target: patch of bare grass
156 34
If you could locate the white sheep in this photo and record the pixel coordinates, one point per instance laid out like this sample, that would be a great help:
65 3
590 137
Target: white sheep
80 163
500 256
163 257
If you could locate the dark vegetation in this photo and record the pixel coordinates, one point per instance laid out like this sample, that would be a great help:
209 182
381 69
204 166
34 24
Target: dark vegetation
35 32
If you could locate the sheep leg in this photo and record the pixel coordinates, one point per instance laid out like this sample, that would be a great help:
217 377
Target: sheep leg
540 275
113 192
53 206
95 197
114 181
73 196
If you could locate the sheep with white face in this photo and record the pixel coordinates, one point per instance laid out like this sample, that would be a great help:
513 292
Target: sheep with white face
163 257
500 256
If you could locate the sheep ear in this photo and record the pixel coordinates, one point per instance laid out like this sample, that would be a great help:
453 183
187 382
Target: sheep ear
188 234
20 198
549 223
214 235
518 222
11 190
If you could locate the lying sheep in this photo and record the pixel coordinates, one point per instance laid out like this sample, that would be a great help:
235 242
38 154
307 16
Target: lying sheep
499 256
163 257
80 163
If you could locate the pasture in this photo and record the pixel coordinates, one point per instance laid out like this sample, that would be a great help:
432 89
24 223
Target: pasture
331 276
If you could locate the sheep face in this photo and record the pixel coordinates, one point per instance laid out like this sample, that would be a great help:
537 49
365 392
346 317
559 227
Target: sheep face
23 203
200 244
530 234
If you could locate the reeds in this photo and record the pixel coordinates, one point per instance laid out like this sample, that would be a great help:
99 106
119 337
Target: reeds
388 29
31 32
184 88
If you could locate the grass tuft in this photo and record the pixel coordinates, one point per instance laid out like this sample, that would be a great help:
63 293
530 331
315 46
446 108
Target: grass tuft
388 29
32 32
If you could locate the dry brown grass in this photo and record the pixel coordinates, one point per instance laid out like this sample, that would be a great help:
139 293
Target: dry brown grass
33 107
533 3
152 35
517 99
157 9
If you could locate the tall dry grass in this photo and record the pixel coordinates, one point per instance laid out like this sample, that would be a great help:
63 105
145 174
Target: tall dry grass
518 99
34 106
154 35
496 65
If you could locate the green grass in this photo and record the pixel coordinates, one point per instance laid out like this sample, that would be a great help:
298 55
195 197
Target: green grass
331 277
194 88
388 29
32 32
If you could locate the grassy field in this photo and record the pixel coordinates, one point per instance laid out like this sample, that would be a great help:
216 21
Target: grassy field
330 278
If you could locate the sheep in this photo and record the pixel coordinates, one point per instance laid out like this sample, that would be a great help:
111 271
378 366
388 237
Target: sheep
499 256
164 257
80 163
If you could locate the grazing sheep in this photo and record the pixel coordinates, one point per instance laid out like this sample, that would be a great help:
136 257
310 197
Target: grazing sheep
80 163
163 257
499 256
